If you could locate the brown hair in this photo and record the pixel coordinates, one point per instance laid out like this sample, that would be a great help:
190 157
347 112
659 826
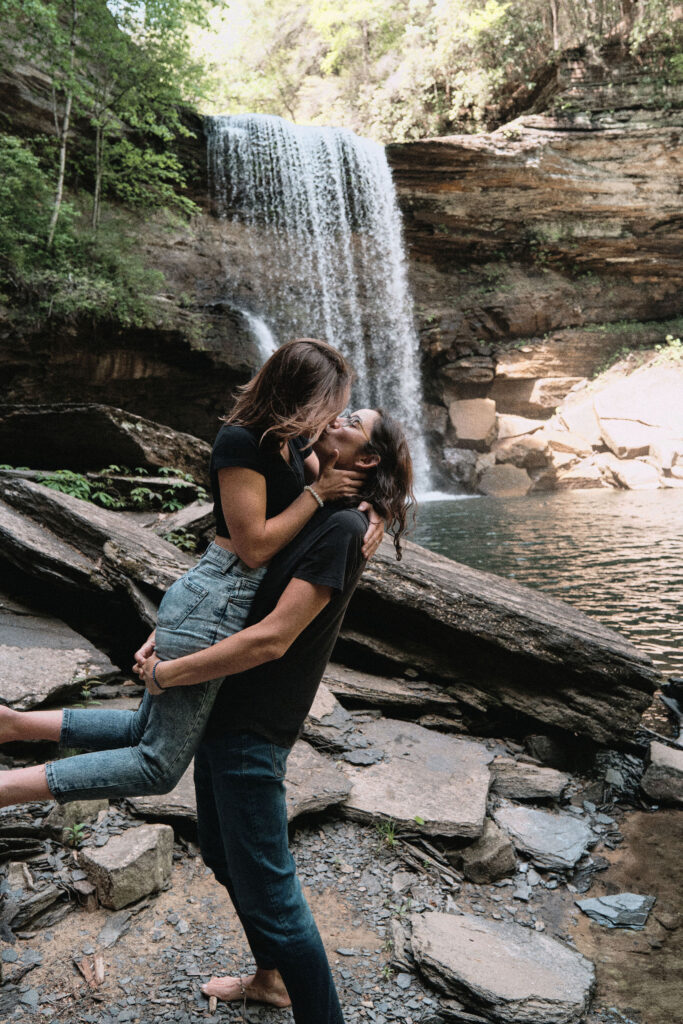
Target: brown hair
301 384
389 484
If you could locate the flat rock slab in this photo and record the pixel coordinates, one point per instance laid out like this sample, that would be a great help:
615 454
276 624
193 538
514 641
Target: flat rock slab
663 779
363 688
623 910
131 865
552 840
328 724
436 782
313 781
41 658
521 781
181 802
512 974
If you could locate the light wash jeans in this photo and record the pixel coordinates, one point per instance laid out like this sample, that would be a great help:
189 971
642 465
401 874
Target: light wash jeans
147 751
242 826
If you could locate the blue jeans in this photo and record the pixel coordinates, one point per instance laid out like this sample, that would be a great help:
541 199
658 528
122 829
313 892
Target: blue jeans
147 751
242 824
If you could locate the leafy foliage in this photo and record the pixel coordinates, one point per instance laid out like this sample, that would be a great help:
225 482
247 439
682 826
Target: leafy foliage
405 69
125 69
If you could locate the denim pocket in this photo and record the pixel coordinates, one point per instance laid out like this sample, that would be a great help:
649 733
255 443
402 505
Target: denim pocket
279 756
179 601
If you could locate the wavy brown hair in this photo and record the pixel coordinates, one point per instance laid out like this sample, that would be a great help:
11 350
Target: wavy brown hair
295 393
389 484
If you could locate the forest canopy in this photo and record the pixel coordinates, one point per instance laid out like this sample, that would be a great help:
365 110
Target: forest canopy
396 70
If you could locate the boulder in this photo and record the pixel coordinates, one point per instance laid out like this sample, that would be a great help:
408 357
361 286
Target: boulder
636 475
521 781
511 974
531 397
427 780
564 441
504 482
580 419
41 658
649 397
584 475
528 452
64 816
552 840
460 464
627 439
516 426
488 858
497 646
474 422
91 437
663 778
131 865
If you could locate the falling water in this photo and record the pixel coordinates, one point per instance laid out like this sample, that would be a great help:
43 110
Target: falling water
261 333
319 219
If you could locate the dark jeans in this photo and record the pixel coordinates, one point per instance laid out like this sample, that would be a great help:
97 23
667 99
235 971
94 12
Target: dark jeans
242 822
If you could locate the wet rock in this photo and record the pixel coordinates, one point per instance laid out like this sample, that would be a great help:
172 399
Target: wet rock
547 749
663 779
520 781
428 780
622 910
313 782
509 973
489 858
41 658
91 437
474 422
504 481
131 865
552 840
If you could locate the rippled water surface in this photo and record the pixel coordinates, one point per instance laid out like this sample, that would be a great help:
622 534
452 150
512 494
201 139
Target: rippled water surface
617 555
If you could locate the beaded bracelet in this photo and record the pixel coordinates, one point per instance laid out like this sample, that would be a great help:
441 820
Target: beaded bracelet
315 495
154 675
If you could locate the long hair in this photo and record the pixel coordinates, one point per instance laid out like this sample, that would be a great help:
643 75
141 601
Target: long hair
295 392
389 484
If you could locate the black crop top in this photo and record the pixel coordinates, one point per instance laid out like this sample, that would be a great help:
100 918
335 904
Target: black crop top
239 446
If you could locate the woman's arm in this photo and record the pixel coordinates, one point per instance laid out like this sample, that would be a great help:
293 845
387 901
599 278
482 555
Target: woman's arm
264 641
243 497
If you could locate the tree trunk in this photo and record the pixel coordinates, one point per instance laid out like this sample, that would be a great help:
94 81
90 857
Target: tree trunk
99 166
554 21
63 130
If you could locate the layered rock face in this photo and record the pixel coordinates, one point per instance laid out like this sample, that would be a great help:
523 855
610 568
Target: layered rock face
541 249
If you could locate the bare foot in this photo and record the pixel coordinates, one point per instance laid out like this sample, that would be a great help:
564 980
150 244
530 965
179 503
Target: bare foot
262 987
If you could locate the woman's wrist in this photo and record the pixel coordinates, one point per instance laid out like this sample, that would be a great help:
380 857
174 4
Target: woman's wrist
315 492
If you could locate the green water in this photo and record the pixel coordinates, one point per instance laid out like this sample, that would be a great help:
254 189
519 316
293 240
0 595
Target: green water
616 555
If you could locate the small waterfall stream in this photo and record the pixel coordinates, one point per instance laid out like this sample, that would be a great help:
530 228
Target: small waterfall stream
319 223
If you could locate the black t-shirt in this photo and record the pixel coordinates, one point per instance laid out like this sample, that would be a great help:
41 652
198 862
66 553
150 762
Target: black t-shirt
273 699
239 446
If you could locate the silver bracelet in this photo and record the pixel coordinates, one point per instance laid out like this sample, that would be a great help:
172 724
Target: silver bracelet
315 494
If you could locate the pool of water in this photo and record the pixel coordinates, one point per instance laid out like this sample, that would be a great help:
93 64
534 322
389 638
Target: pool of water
616 555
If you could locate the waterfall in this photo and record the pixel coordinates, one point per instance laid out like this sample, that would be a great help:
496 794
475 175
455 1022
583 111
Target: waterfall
316 224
